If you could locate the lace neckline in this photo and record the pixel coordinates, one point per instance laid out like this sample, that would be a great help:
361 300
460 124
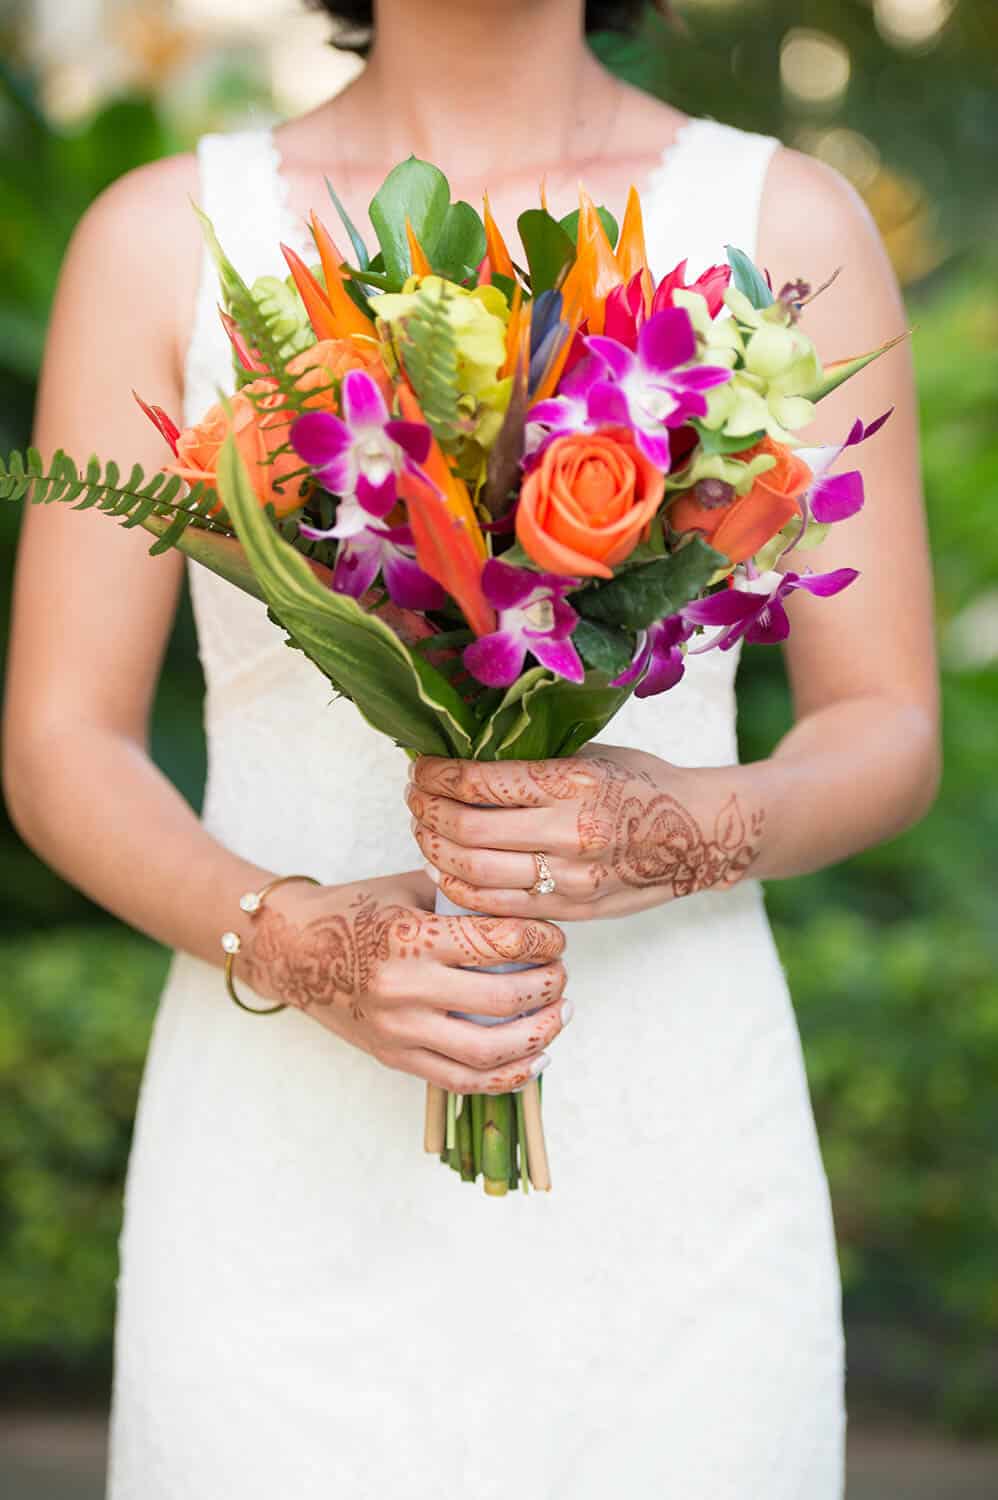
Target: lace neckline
655 182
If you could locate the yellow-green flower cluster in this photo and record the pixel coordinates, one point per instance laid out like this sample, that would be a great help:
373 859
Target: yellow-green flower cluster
773 362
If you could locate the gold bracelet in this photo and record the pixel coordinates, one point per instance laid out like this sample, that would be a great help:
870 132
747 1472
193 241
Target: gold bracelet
231 941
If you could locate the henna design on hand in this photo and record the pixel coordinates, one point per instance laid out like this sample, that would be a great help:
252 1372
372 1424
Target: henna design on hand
657 842
335 959
627 826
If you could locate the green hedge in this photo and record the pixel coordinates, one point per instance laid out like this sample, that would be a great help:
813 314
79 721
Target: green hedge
901 1035
75 1013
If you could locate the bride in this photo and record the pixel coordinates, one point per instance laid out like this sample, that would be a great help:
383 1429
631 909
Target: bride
307 1307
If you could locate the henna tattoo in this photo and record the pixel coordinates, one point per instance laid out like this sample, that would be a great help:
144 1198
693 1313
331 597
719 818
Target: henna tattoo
658 842
626 826
336 959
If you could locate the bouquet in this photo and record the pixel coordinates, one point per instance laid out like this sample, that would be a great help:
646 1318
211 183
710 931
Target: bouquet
492 497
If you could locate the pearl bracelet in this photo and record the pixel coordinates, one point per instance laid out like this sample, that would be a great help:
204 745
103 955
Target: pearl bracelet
251 903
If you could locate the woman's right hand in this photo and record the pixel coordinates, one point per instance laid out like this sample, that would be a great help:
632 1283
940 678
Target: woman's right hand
372 964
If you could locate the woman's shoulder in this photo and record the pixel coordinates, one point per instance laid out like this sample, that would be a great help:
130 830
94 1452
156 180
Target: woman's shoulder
140 239
812 216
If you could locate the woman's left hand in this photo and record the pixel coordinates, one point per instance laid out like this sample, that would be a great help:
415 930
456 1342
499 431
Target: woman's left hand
620 831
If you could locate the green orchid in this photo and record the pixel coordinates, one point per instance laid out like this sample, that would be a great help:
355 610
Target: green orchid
734 471
478 320
772 361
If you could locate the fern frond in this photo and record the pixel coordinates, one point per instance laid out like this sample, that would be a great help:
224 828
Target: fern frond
430 359
132 501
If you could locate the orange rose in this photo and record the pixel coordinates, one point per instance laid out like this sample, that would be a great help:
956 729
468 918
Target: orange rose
259 428
741 526
588 503
331 359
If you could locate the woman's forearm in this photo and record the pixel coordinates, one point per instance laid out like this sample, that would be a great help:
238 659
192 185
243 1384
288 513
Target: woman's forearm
94 806
848 776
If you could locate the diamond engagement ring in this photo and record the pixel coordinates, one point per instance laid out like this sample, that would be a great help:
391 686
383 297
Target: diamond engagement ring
544 884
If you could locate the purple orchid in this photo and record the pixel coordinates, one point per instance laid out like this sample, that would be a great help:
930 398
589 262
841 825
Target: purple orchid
659 661
534 617
756 611
358 456
840 496
361 557
647 389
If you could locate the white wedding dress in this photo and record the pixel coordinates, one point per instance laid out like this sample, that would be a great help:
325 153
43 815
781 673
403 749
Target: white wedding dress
312 1309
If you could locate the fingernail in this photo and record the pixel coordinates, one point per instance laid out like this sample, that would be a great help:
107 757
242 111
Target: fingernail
433 873
567 1011
539 1064
413 824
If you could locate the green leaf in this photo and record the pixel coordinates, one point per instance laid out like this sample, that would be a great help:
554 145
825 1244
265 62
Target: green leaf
715 442
356 239
602 647
838 374
549 249
570 224
419 191
556 718
749 279
460 246
399 694
639 597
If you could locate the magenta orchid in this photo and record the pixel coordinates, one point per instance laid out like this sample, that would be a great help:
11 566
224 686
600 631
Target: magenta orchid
359 456
659 661
837 497
388 551
534 617
647 389
755 611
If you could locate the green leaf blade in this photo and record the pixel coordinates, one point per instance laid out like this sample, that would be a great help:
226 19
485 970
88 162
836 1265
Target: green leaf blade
638 597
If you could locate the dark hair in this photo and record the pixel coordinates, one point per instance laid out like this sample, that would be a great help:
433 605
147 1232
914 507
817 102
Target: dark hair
355 18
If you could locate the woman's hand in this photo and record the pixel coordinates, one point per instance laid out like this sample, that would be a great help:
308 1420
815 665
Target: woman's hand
621 831
371 964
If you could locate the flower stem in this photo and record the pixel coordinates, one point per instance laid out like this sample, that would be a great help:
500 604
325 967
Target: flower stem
521 1130
464 1147
537 1156
451 1129
495 1144
435 1133
477 1125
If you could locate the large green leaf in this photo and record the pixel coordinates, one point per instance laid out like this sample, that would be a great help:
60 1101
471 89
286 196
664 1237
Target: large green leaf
415 190
549 249
460 246
640 596
556 718
397 693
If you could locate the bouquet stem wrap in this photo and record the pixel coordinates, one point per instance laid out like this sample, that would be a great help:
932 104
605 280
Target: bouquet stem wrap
500 1136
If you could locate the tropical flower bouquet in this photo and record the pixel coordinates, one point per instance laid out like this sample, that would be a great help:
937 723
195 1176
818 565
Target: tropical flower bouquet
490 498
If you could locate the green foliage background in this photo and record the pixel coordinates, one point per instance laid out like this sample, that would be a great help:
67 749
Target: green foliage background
891 957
